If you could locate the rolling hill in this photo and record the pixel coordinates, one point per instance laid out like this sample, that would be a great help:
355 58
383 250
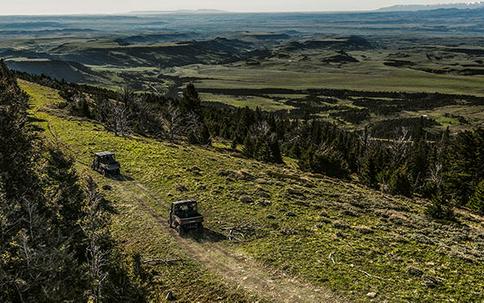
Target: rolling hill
332 239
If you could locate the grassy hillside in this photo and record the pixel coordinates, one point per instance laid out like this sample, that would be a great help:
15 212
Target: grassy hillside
334 237
371 76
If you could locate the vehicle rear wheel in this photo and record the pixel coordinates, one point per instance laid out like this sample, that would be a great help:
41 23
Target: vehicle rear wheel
181 230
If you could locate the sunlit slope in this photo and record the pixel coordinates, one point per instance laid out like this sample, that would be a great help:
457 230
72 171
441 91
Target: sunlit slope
356 242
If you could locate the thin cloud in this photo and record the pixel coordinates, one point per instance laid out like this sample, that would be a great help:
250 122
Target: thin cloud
37 7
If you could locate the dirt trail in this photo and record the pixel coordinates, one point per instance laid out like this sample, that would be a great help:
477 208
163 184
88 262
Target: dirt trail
236 269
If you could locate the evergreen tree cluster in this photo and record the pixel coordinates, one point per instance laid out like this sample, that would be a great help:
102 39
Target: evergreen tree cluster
47 222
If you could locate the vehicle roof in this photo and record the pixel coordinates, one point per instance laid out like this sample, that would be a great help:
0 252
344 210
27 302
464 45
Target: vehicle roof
184 202
102 154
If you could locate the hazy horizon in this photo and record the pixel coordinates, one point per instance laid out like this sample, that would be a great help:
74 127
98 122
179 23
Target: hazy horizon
58 7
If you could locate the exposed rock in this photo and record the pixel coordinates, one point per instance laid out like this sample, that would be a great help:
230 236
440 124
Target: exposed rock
291 214
363 229
262 181
244 175
262 193
432 282
170 296
246 199
271 217
414 271
181 188
107 187
224 173
371 294
265 203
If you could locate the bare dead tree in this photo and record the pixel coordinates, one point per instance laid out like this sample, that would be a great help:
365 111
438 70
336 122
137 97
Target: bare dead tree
435 175
263 129
30 209
127 95
120 116
171 122
400 147
96 256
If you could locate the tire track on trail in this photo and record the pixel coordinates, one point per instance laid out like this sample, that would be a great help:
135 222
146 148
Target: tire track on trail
236 269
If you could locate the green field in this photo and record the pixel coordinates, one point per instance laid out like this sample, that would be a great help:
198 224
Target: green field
360 78
250 101
332 239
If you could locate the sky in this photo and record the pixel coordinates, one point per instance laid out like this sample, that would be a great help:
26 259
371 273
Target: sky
40 7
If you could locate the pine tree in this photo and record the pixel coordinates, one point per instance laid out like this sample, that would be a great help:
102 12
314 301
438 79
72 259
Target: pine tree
399 182
249 148
191 100
441 206
477 200
66 198
38 264
369 171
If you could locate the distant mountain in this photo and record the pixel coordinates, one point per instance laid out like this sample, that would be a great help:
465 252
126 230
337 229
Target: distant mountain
180 12
422 7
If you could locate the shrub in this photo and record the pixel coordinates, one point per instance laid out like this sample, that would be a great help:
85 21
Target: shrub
440 207
399 183
477 200
324 160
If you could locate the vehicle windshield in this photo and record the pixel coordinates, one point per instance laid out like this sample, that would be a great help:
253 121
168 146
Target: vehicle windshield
186 210
108 160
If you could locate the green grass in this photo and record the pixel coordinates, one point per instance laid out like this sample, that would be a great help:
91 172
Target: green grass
474 116
342 236
372 76
249 101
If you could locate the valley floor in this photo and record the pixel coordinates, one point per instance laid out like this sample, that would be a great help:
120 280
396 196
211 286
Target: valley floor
298 237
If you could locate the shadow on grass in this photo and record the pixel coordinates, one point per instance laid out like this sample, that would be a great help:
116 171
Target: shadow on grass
33 119
122 178
208 235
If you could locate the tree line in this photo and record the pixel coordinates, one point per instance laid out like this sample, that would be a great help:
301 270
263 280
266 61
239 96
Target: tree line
446 168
